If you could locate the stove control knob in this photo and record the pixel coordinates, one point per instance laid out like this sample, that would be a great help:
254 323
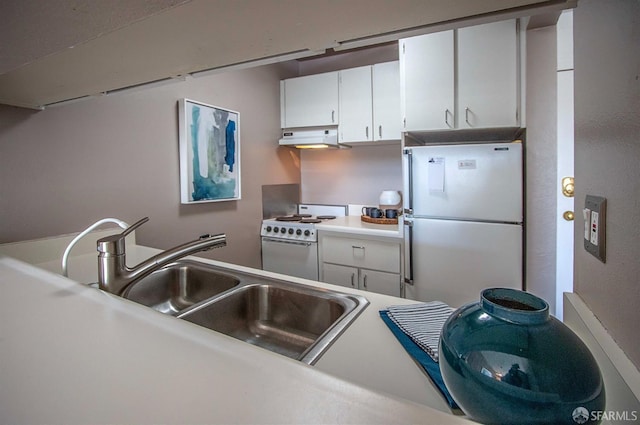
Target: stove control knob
283 230
268 228
307 232
275 229
291 231
298 232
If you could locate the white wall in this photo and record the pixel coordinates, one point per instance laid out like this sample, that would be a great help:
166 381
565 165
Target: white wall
350 176
541 164
607 154
63 168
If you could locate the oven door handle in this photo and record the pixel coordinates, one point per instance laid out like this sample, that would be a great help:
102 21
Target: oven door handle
287 242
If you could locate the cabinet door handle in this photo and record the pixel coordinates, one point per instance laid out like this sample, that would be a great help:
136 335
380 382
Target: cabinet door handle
366 132
353 280
446 117
380 131
408 252
466 116
409 203
364 281
333 116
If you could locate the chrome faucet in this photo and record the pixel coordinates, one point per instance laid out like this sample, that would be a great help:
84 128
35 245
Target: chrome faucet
113 274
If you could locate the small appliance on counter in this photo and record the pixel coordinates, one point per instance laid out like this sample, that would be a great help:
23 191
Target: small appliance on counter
290 242
390 199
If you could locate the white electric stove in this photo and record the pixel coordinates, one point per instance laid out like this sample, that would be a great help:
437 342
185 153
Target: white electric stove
290 243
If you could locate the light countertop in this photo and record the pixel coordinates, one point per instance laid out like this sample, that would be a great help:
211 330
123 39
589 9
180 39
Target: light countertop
74 354
353 224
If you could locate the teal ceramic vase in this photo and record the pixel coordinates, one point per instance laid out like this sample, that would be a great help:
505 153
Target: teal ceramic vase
505 360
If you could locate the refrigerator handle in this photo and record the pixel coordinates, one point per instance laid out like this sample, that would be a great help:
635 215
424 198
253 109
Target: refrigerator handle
408 252
408 178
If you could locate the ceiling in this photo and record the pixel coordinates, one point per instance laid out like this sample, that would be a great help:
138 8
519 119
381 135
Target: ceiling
58 50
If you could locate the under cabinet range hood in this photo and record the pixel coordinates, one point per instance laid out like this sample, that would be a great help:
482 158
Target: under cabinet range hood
311 139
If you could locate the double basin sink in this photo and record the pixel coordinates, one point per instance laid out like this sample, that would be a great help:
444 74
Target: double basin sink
294 320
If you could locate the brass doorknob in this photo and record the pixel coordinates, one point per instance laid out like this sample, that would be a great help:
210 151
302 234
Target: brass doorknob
568 215
568 186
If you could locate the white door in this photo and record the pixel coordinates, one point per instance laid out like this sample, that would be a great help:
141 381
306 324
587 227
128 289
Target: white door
310 100
380 282
427 81
387 121
475 181
564 227
453 261
340 275
356 121
293 258
487 83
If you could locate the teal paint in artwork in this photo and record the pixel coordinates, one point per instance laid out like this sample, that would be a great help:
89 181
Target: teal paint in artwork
230 155
219 183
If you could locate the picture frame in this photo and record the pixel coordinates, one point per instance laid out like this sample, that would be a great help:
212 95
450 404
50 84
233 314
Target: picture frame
209 153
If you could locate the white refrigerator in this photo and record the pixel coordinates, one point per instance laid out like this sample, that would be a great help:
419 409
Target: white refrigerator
463 220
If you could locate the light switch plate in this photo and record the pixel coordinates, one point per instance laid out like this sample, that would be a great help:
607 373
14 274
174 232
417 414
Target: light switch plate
595 244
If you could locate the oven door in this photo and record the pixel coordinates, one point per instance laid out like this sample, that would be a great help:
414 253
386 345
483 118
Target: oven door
294 258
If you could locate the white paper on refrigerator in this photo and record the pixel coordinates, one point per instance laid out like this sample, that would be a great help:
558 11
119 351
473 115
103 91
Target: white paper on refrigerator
436 174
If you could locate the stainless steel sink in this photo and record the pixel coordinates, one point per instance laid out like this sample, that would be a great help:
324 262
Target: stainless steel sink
297 321
179 286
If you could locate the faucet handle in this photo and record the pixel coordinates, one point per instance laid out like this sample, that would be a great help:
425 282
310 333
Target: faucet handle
114 244
134 226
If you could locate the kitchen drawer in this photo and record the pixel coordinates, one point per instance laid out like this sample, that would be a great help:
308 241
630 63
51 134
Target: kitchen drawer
370 254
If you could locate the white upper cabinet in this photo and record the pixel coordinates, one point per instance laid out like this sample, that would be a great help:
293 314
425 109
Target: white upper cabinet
427 81
461 79
370 103
356 115
488 75
309 101
387 120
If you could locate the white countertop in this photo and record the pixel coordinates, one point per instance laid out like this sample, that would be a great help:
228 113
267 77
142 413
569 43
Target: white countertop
353 224
74 354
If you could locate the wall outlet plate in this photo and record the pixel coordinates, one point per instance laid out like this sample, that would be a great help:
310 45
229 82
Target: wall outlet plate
595 235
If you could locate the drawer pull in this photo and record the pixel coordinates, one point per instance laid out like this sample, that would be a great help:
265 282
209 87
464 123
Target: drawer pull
358 251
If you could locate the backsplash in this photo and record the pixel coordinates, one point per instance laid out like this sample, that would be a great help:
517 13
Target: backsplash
350 176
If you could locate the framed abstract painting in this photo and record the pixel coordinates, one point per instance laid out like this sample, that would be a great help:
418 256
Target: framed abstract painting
209 153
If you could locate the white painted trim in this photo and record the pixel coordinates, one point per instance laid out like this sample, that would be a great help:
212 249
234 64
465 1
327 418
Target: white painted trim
621 377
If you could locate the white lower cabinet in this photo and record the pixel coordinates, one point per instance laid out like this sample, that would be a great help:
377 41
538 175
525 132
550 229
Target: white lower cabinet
361 263
365 279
